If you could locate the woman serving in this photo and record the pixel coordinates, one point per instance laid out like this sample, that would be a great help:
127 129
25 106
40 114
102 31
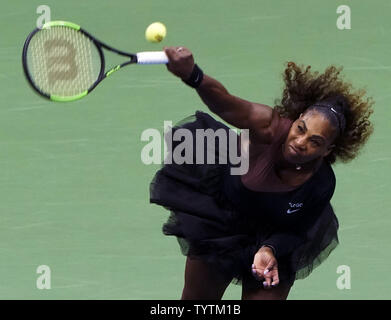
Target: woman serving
273 224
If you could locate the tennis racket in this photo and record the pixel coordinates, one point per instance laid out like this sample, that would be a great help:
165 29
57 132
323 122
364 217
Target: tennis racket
63 62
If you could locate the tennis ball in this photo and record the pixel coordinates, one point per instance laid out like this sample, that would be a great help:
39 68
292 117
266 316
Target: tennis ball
155 32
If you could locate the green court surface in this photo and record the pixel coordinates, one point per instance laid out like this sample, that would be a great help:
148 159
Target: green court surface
75 193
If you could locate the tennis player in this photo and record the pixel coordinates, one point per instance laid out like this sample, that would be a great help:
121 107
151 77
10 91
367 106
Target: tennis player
272 225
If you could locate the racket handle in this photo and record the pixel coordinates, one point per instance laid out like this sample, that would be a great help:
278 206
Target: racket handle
152 57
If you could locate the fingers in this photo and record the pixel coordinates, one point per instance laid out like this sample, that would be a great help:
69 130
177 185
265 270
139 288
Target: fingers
276 280
170 52
269 275
268 279
271 278
180 61
256 273
174 53
270 265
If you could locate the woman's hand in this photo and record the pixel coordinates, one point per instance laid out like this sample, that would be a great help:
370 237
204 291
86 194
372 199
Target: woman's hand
180 61
265 267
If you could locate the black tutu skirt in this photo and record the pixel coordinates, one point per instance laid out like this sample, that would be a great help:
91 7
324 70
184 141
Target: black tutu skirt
209 227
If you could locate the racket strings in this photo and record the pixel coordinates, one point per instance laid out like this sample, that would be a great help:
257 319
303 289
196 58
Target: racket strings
63 61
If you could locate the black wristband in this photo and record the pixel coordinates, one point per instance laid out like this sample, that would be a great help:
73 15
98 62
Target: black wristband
195 78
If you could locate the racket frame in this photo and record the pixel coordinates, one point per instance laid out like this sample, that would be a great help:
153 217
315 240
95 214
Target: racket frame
98 44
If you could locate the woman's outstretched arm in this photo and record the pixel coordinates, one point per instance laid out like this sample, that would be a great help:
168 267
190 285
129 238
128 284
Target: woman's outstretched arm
240 113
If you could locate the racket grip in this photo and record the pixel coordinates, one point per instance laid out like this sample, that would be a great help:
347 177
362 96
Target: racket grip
152 57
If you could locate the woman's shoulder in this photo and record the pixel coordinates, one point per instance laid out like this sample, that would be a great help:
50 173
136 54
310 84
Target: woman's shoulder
275 133
282 129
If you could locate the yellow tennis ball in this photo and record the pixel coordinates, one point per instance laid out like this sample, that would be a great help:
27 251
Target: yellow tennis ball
155 32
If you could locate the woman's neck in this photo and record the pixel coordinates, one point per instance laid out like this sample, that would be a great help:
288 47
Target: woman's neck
307 167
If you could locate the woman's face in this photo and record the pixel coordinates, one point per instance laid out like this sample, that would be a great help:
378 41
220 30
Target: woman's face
310 137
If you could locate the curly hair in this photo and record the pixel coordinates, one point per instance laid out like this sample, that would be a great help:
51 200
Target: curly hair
303 88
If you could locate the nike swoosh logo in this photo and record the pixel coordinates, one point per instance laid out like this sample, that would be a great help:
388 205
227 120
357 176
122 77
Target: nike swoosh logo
289 211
